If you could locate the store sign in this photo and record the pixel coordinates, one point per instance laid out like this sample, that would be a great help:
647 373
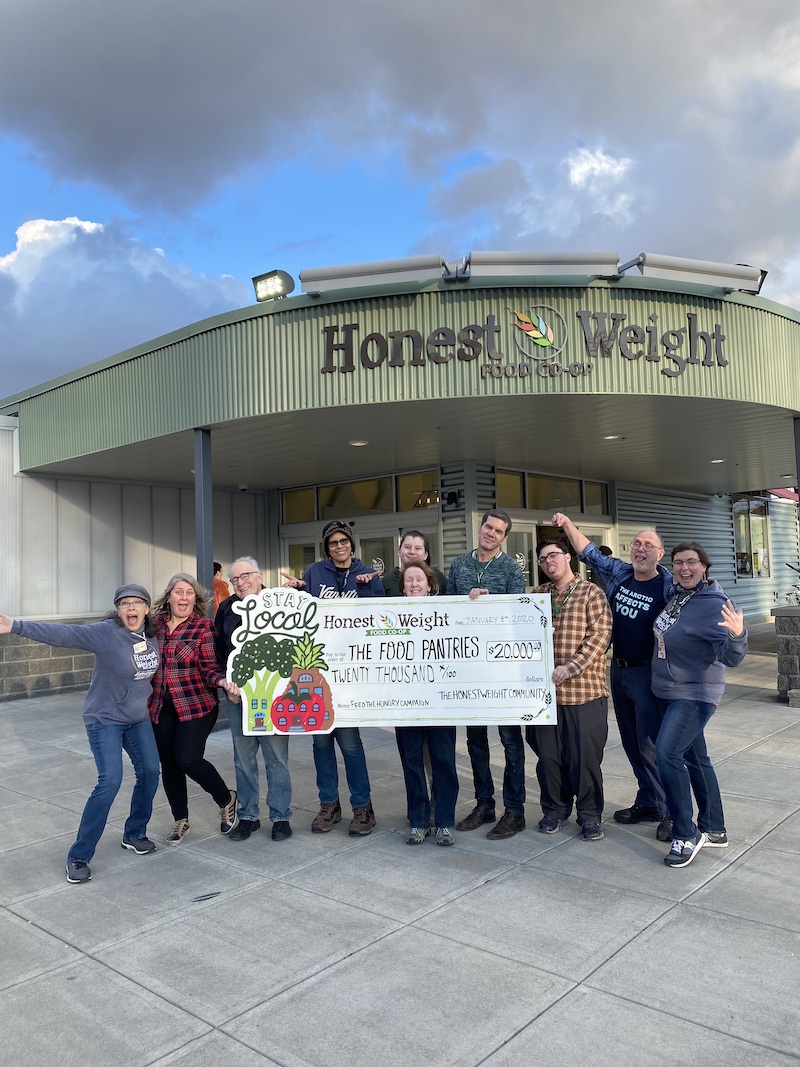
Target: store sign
307 666
539 335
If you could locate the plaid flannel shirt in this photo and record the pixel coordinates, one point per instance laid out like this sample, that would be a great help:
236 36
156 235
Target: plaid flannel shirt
581 633
188 669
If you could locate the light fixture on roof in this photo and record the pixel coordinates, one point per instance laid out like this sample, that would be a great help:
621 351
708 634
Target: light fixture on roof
613 437
726 276
273 285
429 268
717 461
540 264
358 442
428 498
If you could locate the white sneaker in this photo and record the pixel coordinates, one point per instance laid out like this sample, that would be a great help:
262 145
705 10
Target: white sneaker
417 835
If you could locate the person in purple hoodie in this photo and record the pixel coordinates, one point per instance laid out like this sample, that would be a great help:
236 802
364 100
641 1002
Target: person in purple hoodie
340 574
698 633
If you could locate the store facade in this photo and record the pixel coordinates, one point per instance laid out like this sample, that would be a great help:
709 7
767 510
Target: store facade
416 394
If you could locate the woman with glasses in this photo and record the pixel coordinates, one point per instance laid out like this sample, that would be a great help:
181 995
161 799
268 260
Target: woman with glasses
340 574
115 715
184 704
698 633
418 579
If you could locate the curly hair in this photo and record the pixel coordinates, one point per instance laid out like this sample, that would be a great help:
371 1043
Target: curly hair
202 596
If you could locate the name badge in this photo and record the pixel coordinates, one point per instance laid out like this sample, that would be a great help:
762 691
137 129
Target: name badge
140 646
662 648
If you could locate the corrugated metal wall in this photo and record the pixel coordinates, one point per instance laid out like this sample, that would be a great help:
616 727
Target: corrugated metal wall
68 544
709 520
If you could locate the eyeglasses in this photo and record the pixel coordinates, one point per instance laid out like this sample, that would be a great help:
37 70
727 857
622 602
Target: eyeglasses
686 563
338 544
549 556
243 577
133 602
648 546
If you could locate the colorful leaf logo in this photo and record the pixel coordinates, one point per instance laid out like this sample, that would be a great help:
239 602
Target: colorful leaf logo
540 333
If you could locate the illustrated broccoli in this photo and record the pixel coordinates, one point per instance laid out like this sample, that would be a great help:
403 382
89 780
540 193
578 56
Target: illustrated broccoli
263 653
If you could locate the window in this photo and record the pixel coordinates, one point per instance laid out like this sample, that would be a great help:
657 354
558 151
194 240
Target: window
355 498
509 488
595 500
418 490
298 505
751 536
553 494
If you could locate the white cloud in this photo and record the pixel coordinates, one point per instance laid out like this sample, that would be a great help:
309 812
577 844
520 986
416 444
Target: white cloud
585 167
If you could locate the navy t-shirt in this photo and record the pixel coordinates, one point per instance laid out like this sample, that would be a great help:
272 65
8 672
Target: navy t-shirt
634 608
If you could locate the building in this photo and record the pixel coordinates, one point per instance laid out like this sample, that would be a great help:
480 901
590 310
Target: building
415 393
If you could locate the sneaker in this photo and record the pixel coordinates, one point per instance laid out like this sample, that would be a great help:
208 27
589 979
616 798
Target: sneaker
550 824
228 818
683 852
716 839
281 830
362 822
591 830
480 814
326 818
140 845
664 831
507 826
444 836
243 829
417 835
178 832
636 813
78 871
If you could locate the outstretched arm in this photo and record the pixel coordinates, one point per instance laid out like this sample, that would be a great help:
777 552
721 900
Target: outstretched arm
578 540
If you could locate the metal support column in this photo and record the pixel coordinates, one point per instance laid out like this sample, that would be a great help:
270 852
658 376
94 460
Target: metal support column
203 509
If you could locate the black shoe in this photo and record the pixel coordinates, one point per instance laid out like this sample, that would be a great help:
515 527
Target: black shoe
243 829
664 831
636 813
550 824
507 826
591 830
78 871
480 814
140 845
281 830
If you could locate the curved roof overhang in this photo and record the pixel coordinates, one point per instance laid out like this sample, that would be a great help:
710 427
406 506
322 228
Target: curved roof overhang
432 373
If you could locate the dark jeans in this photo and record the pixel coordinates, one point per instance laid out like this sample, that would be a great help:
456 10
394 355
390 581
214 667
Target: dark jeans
441 741
639 720
355 766
685 767
514 774
181 749
107 741
570 754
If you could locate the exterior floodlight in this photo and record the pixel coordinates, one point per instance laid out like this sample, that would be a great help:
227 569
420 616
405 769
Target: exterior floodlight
542 264
275 284
380 272
727 276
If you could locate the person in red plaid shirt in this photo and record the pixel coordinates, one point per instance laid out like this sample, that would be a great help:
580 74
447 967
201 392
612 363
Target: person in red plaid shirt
184 704
570 753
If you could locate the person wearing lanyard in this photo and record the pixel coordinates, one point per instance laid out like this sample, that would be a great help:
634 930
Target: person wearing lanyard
115 716
340 574
698 634
487 569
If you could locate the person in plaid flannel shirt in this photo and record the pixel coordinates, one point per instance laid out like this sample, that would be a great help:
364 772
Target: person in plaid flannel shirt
570 753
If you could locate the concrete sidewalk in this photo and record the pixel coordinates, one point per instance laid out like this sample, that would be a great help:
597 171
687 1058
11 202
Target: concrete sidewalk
332 951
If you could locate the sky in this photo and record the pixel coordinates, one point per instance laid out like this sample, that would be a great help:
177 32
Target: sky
155 156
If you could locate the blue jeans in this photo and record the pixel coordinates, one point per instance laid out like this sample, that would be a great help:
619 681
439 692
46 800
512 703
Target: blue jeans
639 720
355 766
514 774
107 740
441 741
684 766
275 751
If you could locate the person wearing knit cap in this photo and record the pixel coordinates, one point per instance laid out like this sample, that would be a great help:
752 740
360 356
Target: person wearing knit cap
115 715
340 574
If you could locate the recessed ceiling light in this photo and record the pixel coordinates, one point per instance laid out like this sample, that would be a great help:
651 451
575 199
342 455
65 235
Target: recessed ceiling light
359 442
613 437
787 476
717 460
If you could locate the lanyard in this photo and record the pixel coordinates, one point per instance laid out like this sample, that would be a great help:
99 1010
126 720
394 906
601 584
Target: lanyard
558 608
479 572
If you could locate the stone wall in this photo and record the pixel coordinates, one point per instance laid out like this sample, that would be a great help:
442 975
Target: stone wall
787 632
29 669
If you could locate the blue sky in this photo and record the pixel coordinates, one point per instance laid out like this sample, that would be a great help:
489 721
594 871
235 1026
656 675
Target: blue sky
153 157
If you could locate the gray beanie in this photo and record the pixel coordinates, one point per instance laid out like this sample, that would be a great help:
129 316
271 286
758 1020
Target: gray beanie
131 589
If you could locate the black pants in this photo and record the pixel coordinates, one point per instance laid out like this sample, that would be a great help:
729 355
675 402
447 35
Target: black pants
181 749
570 754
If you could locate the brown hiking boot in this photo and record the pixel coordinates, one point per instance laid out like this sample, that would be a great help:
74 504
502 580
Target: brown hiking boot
362 822
326 818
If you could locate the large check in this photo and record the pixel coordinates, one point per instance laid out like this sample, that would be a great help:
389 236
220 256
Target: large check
306 665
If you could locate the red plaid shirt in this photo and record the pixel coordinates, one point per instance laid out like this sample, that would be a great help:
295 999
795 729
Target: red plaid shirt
188 669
